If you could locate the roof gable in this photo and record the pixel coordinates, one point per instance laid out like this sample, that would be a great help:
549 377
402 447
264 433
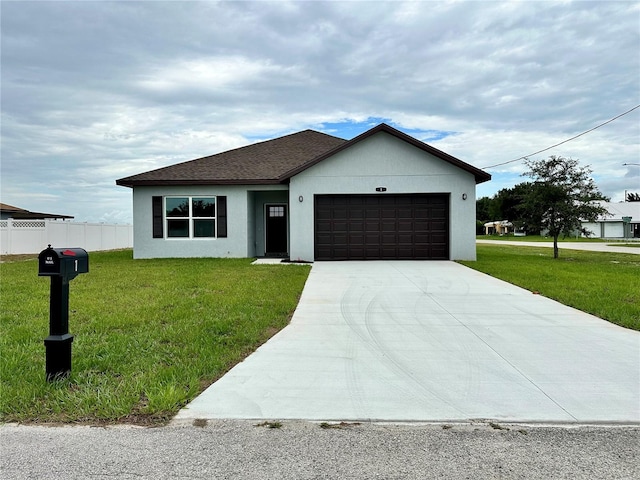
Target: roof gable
480 175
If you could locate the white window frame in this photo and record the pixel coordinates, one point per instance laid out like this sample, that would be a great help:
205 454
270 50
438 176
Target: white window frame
190 218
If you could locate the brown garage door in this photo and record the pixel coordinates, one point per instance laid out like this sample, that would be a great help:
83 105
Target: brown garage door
382 227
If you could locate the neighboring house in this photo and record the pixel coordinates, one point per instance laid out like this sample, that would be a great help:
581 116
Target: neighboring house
500 228
9 211
311 196
623 221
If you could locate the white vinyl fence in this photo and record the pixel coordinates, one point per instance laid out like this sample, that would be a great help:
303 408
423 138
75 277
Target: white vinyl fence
33 236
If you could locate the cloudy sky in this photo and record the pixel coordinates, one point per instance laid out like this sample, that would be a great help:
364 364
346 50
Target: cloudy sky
96 91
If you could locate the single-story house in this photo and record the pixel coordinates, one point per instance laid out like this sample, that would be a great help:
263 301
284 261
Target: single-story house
9 211
500 227
623 221
311 196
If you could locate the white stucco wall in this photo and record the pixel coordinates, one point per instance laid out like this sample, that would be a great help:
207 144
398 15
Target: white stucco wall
240 241
383 160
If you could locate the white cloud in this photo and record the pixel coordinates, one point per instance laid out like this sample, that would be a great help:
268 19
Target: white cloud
94 91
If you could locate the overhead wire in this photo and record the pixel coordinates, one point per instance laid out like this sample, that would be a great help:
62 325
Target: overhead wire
524 157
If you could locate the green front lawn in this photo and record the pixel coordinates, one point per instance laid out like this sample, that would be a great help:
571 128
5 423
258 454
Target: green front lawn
149 334
538 238
604 284
152 334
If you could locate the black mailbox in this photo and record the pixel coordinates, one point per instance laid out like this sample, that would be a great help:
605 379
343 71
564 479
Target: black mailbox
63 262
62 265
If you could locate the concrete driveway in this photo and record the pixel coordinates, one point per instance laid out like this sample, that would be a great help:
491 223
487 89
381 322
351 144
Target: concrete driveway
430 341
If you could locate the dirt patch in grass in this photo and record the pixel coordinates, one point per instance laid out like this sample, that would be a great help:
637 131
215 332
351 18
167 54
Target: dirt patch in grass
18 258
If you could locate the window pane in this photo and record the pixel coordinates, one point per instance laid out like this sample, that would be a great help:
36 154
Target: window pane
177 207
276 211
204 207
178 228
204 228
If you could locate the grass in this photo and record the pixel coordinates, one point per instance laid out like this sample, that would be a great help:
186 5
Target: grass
538 238
149 334
152 334
604 284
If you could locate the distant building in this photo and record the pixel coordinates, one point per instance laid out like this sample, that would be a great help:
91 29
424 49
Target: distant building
623 221
500 228
9 211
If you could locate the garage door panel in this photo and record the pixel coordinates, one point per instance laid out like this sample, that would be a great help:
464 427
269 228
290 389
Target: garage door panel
356 226
356 213
370 226
323 226
405 239
381 226
372 238
372 252
340 213
388 226
389 239
405 226
438 239
340 226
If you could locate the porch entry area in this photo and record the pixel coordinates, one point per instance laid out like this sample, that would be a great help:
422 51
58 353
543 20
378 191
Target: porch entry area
268 223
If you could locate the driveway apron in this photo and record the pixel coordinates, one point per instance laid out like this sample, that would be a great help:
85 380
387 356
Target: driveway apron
430 341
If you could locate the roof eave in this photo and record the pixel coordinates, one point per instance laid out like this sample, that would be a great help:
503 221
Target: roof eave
184 182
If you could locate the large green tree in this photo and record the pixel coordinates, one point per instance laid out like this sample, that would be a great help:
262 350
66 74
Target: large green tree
562 195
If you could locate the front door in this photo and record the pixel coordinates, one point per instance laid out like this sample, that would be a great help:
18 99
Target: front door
276 230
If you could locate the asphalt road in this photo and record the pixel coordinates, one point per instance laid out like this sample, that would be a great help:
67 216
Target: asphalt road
224 449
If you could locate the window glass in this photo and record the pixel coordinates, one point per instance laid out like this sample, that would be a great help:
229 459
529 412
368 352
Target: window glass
204 207
204 228
177 207
178 228
190 217
276 211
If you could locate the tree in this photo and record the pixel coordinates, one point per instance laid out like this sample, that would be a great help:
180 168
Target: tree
633 197
483 206
508 201
563 194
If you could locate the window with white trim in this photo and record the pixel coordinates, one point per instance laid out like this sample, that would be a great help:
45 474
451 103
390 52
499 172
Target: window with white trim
190 217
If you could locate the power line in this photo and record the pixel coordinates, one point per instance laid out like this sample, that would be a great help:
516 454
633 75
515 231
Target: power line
564 141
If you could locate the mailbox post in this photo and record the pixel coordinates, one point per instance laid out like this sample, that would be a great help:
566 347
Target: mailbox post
62 265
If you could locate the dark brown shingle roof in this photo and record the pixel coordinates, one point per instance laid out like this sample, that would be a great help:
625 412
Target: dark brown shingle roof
259 163
275 161
18 213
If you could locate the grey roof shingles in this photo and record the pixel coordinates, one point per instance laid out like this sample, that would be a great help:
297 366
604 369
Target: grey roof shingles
274 161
